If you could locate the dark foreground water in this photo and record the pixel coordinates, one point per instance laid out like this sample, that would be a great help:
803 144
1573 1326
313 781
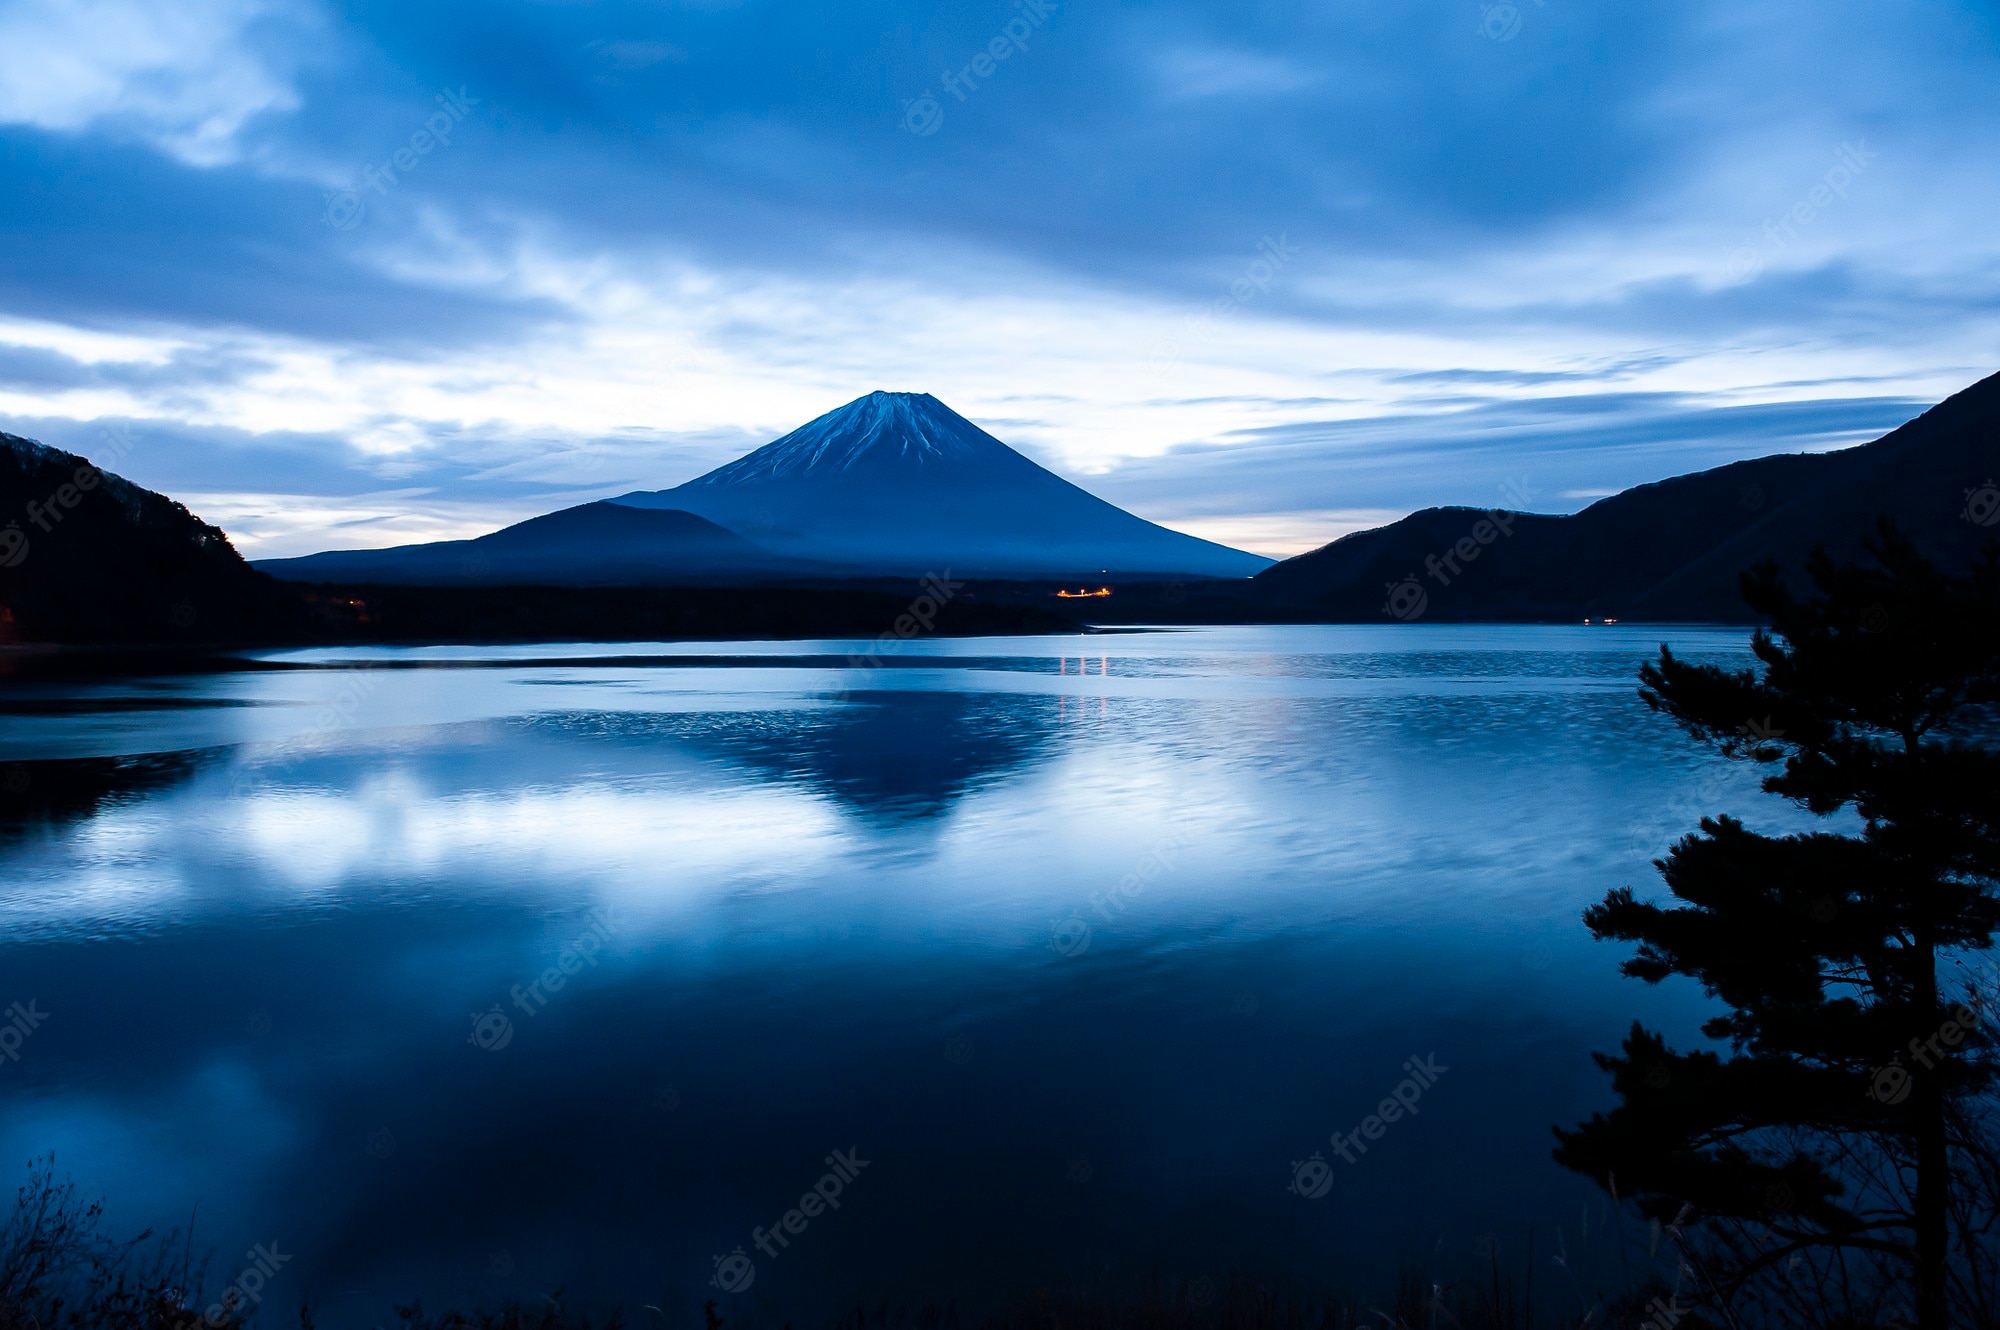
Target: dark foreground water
487 978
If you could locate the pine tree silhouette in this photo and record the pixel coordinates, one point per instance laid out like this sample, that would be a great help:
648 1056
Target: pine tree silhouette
1842 1133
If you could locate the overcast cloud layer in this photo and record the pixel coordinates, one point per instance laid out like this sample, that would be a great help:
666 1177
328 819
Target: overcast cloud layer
1264 272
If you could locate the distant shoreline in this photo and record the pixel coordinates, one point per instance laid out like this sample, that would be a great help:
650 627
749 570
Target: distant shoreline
108 659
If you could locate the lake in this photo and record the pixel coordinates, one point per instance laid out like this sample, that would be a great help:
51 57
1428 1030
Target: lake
1036 962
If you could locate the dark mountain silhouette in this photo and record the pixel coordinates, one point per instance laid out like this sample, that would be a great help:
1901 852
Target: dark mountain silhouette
593 543
1672 550
86 555
899 483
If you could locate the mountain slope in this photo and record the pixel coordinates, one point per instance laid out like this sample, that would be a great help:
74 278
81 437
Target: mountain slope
86 555
901 483
592 543
1672 549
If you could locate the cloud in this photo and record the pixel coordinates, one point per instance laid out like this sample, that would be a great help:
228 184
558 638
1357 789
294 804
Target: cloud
44 370
1218 71
625 57
1566 451
1514 378
186 77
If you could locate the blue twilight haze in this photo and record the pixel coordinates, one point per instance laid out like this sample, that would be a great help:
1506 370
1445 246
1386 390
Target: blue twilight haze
359 275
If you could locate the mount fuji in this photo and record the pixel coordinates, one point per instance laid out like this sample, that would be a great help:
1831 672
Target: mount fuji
900 483
892 484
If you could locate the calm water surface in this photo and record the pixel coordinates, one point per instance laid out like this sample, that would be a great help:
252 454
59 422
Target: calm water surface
556 966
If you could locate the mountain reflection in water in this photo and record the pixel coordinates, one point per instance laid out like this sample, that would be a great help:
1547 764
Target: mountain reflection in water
482 977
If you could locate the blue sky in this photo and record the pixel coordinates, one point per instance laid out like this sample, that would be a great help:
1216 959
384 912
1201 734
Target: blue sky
1264 272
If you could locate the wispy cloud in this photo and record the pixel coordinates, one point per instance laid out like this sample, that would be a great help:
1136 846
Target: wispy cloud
185 77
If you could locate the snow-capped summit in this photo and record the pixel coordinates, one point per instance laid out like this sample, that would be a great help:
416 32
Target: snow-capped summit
901 483
881 431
